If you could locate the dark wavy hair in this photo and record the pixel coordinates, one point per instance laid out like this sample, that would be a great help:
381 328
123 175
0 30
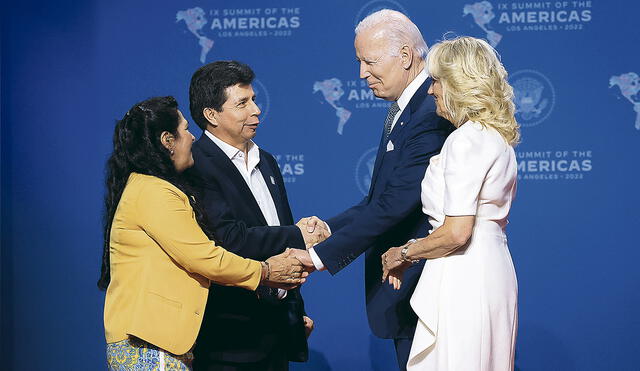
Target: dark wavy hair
137 148
209 83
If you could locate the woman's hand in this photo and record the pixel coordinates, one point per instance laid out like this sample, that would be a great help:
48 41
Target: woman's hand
391 259
283 271
395 275
394 265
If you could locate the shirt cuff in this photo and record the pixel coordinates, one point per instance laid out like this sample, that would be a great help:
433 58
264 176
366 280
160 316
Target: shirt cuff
316 260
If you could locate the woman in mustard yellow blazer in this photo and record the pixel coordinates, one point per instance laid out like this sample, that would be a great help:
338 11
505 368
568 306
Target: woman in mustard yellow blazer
157 261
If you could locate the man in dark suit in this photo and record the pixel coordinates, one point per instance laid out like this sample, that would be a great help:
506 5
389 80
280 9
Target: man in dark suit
247 210
391 52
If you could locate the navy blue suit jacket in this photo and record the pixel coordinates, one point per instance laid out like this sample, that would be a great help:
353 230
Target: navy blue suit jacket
390 215
237 326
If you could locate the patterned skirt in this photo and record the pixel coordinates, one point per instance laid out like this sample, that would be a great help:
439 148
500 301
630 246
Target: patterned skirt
136 354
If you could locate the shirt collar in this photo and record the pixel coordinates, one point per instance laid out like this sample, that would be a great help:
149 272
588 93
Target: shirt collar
411 89
232 151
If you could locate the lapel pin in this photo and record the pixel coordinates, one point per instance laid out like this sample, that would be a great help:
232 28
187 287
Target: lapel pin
273 181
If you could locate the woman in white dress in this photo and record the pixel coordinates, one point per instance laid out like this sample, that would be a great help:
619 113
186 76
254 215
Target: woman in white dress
466 299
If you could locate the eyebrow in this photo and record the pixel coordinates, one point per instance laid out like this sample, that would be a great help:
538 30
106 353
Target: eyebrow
244 100
368 60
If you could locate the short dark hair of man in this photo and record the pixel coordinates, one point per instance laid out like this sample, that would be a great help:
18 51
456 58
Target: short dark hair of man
208 85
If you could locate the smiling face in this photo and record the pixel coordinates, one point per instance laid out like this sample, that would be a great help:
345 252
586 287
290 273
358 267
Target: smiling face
384 72
180 144
238 121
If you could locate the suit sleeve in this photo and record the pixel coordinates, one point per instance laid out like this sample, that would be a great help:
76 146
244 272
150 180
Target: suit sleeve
168 218
346 217
400 197
260 242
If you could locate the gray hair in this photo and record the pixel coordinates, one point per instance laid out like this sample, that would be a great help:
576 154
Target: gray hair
399 28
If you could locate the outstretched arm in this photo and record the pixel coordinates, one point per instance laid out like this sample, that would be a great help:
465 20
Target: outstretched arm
400 198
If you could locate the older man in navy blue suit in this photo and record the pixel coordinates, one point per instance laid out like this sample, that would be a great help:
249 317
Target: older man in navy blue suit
391 52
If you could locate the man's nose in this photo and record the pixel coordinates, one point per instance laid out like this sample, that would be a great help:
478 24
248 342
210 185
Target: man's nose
364 70
256 109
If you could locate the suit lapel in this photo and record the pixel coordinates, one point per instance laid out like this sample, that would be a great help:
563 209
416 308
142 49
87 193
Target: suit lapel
224 164
403 120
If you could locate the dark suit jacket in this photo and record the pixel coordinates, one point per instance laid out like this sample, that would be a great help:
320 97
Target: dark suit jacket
238 326
390 215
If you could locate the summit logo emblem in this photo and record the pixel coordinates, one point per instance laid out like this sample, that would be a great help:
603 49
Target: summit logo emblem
534 97
364 170
376 5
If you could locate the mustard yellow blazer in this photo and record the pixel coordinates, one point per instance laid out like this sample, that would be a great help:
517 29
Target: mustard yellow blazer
161 266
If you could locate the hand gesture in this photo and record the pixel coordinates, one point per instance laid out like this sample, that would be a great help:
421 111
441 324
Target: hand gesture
283 271
304 258
395 276
393 265
313 230
391 259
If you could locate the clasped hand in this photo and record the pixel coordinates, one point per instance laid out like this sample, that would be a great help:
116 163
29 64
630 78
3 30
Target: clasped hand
393 266
284 271
313 229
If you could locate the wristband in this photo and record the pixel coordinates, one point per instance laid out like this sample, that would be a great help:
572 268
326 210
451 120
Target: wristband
266 264
405 250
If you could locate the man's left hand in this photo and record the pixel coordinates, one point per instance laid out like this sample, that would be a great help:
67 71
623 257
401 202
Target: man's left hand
308 325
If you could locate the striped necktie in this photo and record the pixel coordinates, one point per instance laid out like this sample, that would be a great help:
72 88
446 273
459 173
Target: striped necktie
393 109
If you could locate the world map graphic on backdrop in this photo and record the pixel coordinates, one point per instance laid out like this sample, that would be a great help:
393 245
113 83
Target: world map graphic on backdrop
195 20
482 13
629 84
346 97
332 92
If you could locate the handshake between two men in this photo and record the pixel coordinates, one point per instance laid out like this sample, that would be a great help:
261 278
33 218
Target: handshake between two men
314 230
290 269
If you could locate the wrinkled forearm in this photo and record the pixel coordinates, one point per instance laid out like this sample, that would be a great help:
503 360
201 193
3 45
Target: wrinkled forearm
452 235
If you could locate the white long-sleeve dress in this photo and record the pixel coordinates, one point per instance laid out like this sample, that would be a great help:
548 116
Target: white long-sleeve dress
467 302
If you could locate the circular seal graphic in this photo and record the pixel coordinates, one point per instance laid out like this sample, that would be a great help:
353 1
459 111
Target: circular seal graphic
364 170
375 5
534 97
262 98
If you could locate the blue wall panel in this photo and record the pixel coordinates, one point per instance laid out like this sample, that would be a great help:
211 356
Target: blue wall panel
69 69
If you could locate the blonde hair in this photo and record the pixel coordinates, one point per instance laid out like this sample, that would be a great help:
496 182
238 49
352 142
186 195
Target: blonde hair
474 85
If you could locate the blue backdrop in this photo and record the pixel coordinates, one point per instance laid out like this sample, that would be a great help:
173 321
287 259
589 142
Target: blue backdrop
69 69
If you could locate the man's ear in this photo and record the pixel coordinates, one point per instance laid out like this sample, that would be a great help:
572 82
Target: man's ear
406 56
211 115
168 140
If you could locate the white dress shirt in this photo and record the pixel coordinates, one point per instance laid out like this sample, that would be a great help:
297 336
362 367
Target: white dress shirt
248 168
403 101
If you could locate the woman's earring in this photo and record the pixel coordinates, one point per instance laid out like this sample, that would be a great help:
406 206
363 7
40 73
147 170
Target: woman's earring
171 152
